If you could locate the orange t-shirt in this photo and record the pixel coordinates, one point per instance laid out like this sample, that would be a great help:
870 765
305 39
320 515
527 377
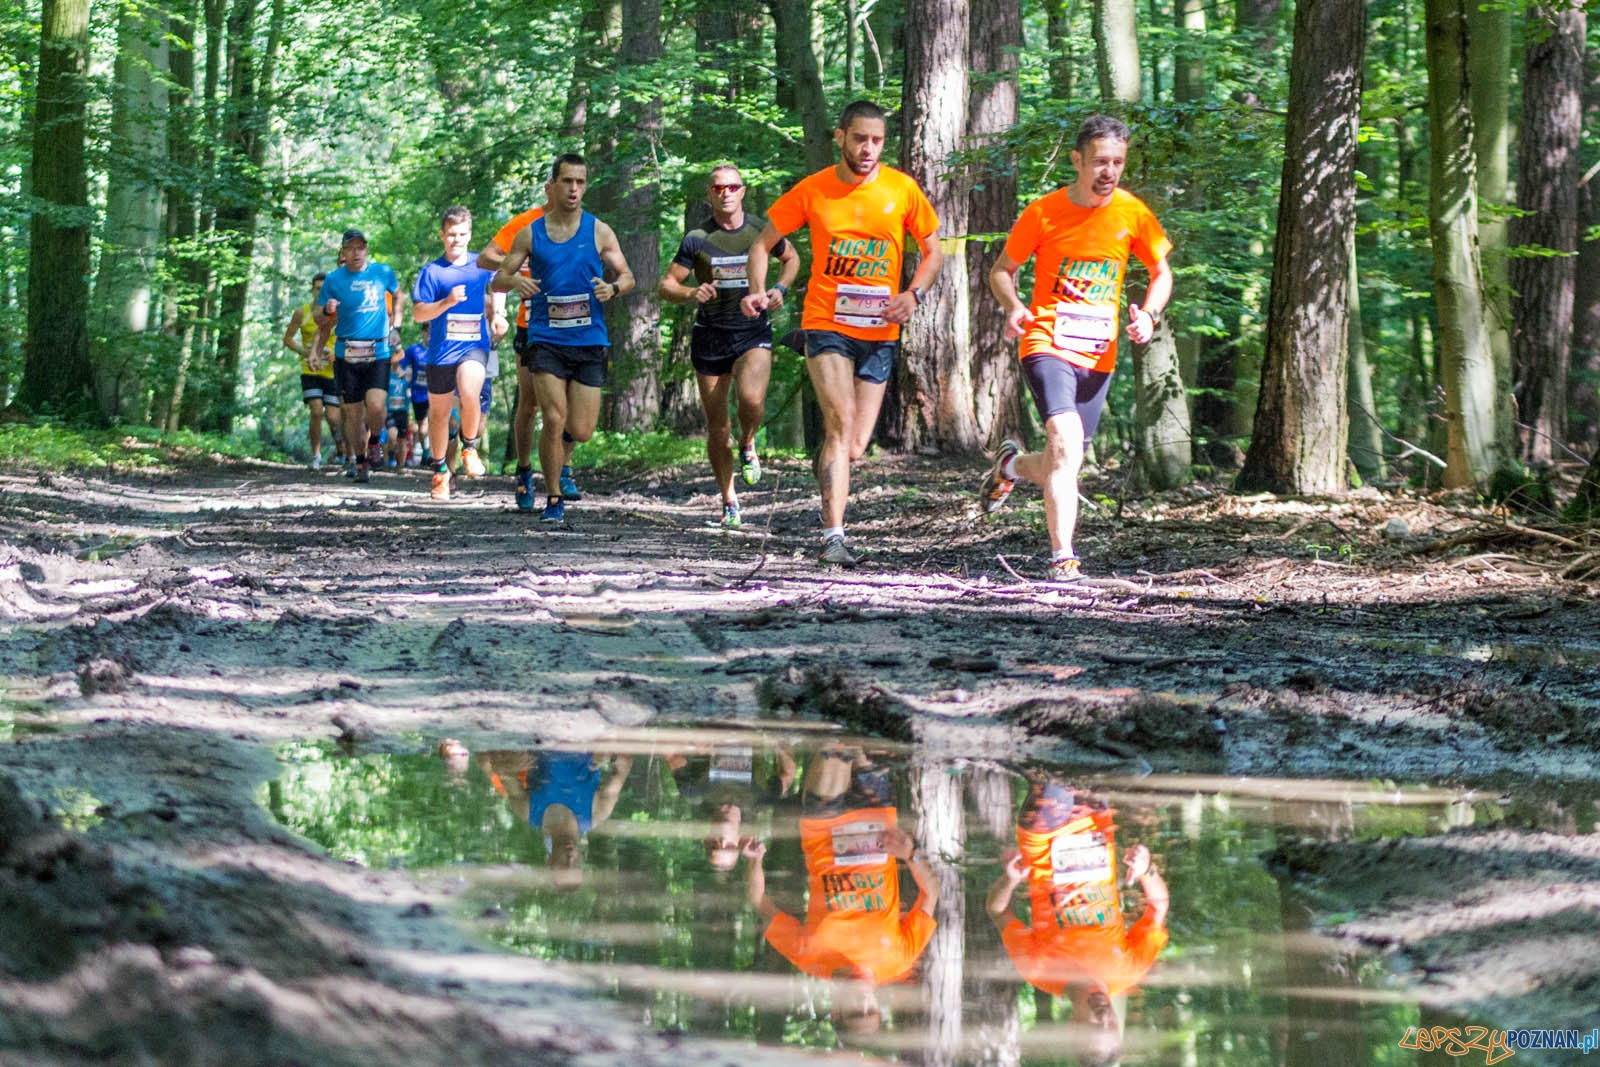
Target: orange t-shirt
857 239
1077 281
853 918
502 241
1077 928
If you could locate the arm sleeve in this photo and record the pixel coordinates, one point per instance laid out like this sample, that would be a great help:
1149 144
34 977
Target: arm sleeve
422 292
1150 241
788 213
785 934
686 250
1023 240
1145 941
393 282
508 233
921 220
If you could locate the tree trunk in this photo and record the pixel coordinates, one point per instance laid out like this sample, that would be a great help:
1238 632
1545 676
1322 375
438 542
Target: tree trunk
1058 41
1547 193
1116 50
56 374
799 86
634 401
1258 18
1301 425
1464 359
1164 441
1188 62
179 298
934 375
599 31
1586 285
941 839
1585 504
124 286
994 42
1489 66
1366 438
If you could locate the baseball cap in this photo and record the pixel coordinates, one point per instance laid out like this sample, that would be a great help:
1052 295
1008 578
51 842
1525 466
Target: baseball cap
352 235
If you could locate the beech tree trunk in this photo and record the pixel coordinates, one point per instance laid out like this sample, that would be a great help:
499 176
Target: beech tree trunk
56 374
1462 352
799 86
1586 296
934 375
941 838
1547 193
995 41
1116 49
1301 424
1489 67
1058 41
1366 438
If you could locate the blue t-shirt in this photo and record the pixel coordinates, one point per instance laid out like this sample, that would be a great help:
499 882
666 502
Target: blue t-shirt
418 376
461 328
565 311
400 381
570 779
363 324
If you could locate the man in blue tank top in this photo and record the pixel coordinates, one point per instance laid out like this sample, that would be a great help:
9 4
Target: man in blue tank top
363 298
568 252
450 296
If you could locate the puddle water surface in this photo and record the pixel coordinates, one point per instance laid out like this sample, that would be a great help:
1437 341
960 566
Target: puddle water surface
755 886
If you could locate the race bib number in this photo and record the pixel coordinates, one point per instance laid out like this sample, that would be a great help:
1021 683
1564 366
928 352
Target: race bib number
859 844
730 272
1087 328
463 327
861 305
360 351
732 765
569 312
1079 858
397 392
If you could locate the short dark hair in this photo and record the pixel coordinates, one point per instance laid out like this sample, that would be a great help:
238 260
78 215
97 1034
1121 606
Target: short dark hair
567 159
861 109
1097 126
317 278
454 214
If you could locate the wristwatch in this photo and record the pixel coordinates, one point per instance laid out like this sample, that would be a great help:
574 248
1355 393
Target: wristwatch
1155 317
784 289
916 294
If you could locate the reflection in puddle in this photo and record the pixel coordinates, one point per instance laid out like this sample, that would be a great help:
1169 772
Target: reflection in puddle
809 889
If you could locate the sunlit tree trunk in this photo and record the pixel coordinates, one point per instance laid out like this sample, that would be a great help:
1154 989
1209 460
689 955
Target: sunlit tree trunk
1188 63
634 400
1301 425
179 298
124 285
994 45
1489 64
56 373
1116 49
1547 193
941 838
1462 352
992 991
1366 440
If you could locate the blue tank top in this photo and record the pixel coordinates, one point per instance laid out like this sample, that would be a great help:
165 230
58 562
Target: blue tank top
567 778
565 312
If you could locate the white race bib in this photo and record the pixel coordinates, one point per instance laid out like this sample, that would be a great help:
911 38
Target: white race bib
859 844
462 327
1087 328
360 351
732 765
569 312
730 272
1079 858
861 305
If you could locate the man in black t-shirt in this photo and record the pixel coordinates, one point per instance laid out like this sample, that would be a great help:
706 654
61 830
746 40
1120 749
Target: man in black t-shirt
726 348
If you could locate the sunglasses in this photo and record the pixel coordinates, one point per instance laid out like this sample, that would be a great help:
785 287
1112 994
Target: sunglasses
731 188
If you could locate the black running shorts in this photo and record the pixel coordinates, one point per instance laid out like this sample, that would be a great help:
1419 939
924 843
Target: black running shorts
1059 387
356 380
714 350
585 364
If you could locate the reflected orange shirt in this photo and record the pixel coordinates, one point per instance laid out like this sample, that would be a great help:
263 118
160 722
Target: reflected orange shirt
857 240
853 918
502 241
1077 929
1077 280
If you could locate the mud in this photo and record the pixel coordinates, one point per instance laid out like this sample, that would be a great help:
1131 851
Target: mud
164 637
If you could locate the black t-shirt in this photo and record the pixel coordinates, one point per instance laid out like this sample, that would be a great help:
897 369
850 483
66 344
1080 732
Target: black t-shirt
713 254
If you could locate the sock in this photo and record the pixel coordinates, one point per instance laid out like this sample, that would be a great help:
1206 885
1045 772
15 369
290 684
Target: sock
833 531
441 467
1060 554
566 438
1008 469
521 470
566 472
469 442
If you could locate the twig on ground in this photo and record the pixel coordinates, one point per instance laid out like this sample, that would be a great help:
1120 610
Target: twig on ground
1011 571
766 535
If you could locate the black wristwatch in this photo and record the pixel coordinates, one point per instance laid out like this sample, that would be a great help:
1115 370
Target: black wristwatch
916 295
784 289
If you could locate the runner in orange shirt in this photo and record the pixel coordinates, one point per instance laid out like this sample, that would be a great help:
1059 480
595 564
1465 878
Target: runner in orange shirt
1076 943
1082 235
854 932
858 212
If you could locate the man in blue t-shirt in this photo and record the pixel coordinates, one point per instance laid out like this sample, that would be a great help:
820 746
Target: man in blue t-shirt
363 299
568 251
417 390
450 296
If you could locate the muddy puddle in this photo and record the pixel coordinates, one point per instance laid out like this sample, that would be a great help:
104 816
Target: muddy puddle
808 889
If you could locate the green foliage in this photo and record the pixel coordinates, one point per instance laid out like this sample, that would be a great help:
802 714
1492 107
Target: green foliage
657 448
50 446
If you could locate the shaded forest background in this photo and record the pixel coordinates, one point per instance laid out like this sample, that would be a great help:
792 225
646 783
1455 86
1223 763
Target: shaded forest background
1388 239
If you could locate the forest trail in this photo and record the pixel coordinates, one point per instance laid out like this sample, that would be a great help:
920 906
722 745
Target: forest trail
165 634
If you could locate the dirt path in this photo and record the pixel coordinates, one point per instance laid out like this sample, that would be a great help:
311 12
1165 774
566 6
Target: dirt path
162 636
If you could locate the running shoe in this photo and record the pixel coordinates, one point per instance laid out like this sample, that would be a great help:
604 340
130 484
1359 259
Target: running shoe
350 470
471 463
569 488
835 553
750 466
525 490
316 461
363 472
996 486
731 519
1065 570
441 485
555 510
